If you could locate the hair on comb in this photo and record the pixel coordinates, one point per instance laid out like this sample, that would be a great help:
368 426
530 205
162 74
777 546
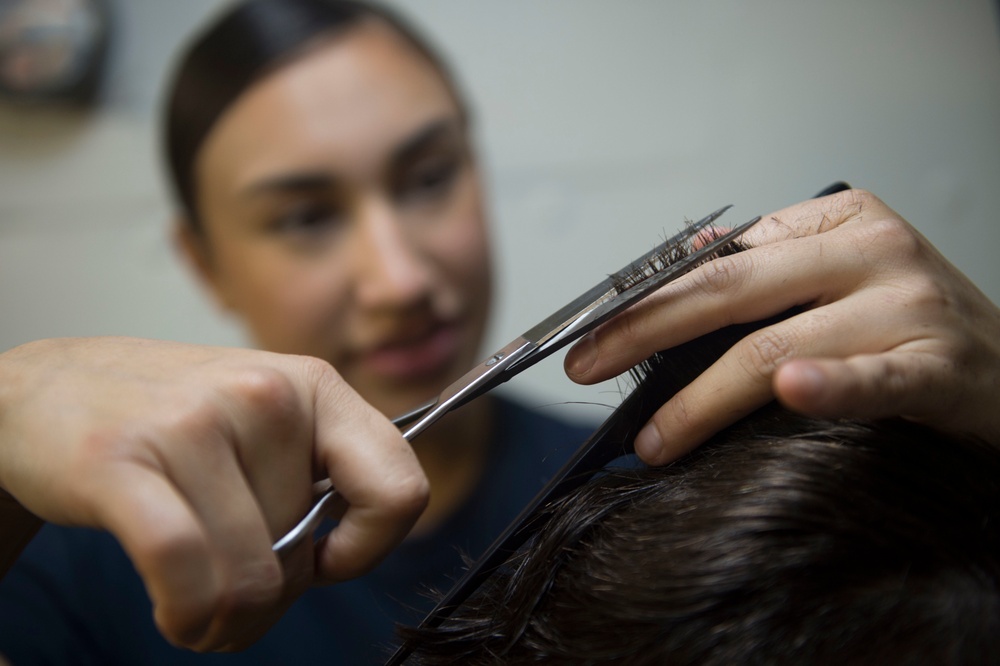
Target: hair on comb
671 251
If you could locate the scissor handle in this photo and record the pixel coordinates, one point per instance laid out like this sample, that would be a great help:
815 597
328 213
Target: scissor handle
480 379
321 506
304 528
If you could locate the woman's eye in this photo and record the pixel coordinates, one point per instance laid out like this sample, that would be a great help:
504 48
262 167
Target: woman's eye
306 219
428 181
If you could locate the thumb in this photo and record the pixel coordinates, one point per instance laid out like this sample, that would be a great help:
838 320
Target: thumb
863 386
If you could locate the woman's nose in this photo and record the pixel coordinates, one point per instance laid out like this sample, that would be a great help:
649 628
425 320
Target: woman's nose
391 270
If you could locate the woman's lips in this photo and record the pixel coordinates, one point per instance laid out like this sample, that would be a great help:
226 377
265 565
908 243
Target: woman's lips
417 357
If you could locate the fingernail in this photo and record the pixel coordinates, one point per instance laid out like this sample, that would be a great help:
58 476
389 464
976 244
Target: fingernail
649 444
582 357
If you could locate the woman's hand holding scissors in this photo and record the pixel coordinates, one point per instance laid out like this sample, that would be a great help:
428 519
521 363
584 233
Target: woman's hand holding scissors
195 458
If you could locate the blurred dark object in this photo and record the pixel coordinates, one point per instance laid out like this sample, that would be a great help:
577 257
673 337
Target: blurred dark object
53 51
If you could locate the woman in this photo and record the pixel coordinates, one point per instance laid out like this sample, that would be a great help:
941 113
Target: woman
329 199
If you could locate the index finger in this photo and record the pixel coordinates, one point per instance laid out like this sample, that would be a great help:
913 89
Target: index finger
374 470
797 258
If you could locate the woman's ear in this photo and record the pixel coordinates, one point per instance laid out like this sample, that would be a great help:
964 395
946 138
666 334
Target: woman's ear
194 249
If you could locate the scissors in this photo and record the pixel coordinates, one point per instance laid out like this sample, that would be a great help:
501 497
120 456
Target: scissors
583 314
612 440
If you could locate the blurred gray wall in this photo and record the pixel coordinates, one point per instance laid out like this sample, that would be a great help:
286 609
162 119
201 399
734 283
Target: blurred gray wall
602 124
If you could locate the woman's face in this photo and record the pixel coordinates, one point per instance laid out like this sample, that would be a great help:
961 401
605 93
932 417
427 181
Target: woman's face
343 218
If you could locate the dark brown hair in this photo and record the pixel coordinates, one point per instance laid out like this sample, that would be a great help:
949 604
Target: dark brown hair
782 540
240 47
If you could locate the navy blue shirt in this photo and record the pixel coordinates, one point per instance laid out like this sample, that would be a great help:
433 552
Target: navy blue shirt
74 598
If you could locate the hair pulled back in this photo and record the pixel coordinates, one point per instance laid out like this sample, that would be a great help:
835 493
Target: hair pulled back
244 44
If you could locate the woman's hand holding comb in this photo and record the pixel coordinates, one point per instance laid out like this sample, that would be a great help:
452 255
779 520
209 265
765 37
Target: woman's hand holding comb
888 328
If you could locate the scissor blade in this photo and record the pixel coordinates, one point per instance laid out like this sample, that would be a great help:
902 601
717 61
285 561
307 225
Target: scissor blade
565 315
569 323
482 378
603 310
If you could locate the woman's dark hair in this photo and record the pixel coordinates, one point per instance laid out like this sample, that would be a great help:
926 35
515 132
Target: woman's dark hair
242 46
782 540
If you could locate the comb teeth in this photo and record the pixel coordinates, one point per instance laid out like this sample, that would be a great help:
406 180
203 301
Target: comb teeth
669 252
663 256
674 249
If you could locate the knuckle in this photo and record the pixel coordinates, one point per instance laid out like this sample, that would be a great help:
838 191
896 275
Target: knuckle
318 370
929 295
266 390
198 422
330 389
858 197
761 352
173 543
630 330
406 495
678 415
832 211
184 418
895 235
191 429
893 380
252 588
852 200
724 274
878 393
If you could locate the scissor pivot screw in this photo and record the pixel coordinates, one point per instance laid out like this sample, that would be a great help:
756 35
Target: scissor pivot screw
493 360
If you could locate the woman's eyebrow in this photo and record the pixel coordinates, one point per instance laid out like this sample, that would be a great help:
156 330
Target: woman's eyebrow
445 129
303 181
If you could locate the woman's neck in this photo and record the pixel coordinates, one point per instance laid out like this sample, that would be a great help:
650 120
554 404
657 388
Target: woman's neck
453 453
